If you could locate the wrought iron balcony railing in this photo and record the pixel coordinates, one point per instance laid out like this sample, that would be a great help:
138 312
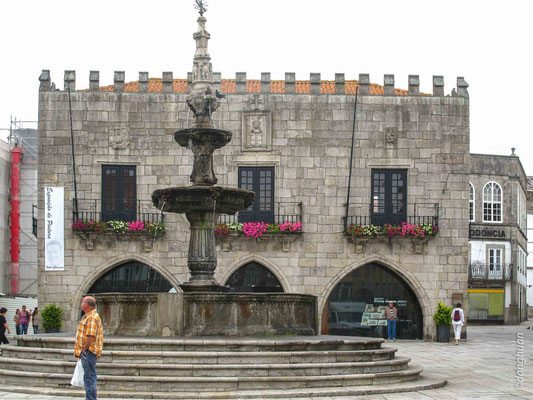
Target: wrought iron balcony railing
490 272
286 212
416 213
90 210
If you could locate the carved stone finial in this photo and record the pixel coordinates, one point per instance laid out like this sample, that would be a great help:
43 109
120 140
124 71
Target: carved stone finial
202 100
512 151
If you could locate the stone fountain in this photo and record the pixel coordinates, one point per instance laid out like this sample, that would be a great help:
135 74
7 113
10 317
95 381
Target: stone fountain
204 307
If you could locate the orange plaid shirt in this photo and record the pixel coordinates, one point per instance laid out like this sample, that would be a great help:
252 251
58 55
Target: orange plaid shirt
90 325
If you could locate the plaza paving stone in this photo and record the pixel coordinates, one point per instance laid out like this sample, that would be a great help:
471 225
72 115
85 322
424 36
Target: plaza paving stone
484 367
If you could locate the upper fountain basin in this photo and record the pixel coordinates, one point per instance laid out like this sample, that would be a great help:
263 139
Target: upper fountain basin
183 199
217 138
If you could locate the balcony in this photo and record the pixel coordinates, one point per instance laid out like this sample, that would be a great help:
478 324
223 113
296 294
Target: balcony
482 273
419 223
144 223
284 226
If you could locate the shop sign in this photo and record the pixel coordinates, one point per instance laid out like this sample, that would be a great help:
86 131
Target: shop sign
383 300
488 233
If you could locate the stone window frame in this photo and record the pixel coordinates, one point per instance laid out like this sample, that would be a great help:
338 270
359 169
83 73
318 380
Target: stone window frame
472 208
489 203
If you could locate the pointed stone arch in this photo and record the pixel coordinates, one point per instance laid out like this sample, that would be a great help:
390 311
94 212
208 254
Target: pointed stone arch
404 273
273 268
107 265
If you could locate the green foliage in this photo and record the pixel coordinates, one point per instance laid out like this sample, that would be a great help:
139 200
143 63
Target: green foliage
52 316
443 316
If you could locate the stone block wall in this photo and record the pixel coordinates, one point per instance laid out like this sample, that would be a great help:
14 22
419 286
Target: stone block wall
307 139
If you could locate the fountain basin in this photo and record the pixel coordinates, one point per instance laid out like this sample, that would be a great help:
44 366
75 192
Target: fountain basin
216 138
184 199
207 314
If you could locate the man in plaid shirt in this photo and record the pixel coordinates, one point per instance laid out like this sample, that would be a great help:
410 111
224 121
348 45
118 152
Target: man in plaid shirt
89 344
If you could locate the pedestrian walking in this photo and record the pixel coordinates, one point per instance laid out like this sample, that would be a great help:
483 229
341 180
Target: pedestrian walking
16 319
24 320
391 313
3 326
458 319
35 320
89 343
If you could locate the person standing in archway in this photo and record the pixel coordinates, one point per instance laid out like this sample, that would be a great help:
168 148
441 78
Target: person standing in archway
89 343
391 313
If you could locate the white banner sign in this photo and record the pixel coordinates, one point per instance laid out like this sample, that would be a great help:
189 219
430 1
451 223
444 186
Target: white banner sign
54 230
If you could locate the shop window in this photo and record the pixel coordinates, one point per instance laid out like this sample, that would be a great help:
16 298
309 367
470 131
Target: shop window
485 304
389 197
492 202
131 277
253 277
472 203
358 302
119 193
261 181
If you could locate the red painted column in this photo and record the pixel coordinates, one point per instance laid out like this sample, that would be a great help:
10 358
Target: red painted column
14 217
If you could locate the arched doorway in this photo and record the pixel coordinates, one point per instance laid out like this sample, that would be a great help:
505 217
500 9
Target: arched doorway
254 277
356 305
131 277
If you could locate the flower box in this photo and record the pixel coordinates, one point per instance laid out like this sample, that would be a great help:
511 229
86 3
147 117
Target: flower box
363 234
90 231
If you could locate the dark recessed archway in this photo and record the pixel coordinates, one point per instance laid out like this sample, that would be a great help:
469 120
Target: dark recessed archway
356 305
131 277
254 277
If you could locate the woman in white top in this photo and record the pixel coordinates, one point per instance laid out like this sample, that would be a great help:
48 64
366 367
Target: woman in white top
458 319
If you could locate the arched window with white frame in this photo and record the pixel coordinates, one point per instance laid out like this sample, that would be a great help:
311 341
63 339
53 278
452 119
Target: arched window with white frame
492 202
472 202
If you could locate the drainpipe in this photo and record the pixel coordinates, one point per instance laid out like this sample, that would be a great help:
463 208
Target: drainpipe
14 217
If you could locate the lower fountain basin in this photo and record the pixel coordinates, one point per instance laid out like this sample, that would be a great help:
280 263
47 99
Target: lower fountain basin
207 314
183 199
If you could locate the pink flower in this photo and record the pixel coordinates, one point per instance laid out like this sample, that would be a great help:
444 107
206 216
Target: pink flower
136 226
254 229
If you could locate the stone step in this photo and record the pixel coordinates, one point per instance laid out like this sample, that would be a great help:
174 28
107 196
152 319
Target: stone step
212 370
290 343
206 357
213 384
424 383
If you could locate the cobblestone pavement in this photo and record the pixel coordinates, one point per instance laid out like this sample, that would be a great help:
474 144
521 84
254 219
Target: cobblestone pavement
486 367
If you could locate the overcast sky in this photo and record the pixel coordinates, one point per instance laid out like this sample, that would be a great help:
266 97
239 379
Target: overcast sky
489 43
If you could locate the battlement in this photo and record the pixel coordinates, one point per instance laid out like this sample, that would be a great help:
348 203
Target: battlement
241 85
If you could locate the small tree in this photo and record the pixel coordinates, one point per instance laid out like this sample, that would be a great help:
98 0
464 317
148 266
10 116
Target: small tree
443 316
52 316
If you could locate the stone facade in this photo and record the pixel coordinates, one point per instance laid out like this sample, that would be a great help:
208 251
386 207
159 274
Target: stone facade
307 139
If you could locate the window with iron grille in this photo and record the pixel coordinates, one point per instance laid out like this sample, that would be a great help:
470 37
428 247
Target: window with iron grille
119 193
492 202
389 197
261 181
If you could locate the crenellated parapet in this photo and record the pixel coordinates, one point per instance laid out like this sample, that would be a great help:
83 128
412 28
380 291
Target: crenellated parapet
315 85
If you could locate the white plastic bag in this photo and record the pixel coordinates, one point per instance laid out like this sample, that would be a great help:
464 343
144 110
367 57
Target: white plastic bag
77 378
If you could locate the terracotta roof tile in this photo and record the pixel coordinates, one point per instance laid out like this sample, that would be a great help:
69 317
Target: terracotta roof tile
155 85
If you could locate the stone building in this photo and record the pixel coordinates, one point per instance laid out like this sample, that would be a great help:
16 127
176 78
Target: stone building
291 145
498 238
